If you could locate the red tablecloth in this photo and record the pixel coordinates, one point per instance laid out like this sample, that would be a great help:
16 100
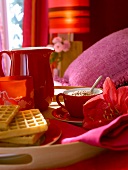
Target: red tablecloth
108 160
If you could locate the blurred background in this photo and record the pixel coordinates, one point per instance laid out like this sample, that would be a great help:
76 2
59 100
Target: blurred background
36 22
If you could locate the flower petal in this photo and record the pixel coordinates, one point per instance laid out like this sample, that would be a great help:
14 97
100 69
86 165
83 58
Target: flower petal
58 47
66 45
104 108
56 40
96 112
110 92
123 99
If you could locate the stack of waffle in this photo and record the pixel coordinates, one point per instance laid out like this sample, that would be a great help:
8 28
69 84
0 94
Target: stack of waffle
18 128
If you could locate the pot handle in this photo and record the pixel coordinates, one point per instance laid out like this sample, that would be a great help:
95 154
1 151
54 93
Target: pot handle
5 58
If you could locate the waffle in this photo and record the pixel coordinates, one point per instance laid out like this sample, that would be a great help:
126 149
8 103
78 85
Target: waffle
22 144
25 122
7 113
24 140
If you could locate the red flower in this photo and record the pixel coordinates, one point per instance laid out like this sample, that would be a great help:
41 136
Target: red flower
104 108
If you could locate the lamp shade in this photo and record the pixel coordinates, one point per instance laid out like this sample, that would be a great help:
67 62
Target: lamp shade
69 16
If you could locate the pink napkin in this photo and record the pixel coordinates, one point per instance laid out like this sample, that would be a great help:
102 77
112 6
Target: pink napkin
112 136
108 160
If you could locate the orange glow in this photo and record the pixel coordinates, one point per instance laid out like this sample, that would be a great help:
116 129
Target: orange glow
69 16
69 20
57 3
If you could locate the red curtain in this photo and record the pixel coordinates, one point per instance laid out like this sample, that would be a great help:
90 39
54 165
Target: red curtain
35 23
0 43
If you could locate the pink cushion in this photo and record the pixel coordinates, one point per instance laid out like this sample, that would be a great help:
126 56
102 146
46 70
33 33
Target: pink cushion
108 57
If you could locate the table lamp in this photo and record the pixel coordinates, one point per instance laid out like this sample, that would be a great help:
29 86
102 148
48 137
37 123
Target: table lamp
65 19
69 16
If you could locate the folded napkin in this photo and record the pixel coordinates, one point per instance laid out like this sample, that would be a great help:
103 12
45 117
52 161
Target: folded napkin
112 136
116 160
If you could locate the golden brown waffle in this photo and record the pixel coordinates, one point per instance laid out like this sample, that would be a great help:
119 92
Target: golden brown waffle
25 122
25 140
7 113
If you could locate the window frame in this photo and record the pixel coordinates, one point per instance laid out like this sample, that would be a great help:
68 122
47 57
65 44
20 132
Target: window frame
5 23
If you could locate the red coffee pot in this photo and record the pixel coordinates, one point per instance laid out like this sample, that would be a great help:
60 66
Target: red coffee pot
32 61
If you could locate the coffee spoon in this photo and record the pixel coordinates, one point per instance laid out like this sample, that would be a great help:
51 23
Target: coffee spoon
95 83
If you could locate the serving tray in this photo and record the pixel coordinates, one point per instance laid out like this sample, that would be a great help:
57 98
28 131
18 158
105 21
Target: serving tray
44 157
